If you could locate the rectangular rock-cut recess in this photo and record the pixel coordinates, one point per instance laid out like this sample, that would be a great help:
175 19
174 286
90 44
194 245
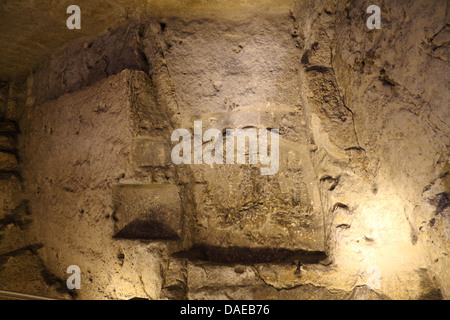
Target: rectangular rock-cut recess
147 211
243 216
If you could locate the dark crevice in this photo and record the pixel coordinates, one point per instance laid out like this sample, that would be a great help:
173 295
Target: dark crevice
305 57
10 174
359 149
333 182
384 78
321 69
341 206
149 230
141 52
440 201
246 255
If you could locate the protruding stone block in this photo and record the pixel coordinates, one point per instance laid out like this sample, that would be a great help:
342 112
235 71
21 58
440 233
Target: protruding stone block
243 216
147 211
9 189
151 152
8 161
7 127
7 143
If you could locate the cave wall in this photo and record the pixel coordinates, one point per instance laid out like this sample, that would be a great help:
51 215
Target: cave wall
393 120
363 176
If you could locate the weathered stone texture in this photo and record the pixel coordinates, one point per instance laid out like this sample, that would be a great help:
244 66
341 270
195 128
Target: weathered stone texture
147 211
250 82
363 181
7 143
10 188
76 66
151 152
8 161
68 178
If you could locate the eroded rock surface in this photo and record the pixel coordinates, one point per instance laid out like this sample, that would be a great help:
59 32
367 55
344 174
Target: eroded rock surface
357 210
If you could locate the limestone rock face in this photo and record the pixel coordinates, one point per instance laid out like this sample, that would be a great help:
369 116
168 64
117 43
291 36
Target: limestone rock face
278 215
393 86
358 207
248 81
83 192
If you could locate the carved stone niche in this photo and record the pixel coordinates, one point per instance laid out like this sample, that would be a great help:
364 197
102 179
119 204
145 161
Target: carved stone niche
243 216
240 215
147 211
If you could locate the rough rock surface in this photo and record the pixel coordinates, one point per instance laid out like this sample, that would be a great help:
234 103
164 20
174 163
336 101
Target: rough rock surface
358 210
